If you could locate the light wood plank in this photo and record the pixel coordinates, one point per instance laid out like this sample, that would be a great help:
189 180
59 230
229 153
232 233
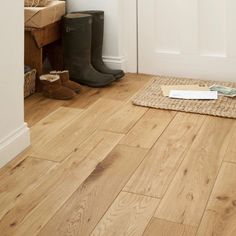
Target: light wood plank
43 108
26 176
159 227
85 98
231 151
37 207
41 133
124 119
188 193
41 200
69 139
49 127
126 88
220 217
88 204
159 167
128 215
145 133
121 90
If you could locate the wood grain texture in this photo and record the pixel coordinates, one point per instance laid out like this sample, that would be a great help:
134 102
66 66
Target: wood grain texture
145 133
154 175
186 198
25 177
124 119
121 90
42 132
220 216
37 207
231 151
126 88
78 195
50 126
87 205
58 148
159 227
44 107
128 215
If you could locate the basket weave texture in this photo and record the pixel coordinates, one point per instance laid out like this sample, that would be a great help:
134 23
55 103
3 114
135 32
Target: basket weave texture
36 3
29 85
151 96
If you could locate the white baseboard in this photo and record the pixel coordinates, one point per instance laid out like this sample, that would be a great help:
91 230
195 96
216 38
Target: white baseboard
115 62
14 144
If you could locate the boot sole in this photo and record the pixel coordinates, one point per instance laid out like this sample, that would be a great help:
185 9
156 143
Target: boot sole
51 97
119 77
92 84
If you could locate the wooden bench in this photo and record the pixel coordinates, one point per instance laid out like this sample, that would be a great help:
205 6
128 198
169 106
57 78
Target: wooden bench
41 43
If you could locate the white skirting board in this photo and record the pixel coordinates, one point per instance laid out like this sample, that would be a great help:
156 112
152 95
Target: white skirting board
115 62
14 144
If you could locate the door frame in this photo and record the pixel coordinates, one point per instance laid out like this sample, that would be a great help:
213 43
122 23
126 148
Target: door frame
128 33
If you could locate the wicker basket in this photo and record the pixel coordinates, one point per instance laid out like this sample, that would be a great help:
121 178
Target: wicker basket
29 86
36 3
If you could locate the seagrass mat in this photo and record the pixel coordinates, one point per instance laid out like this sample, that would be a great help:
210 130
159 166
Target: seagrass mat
151 96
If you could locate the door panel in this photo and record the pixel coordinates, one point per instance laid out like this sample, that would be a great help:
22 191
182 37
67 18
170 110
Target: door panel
190 38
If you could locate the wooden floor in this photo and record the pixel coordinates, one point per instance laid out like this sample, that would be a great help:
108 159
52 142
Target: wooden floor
100 166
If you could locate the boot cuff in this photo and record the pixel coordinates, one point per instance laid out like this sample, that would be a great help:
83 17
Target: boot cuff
93 12
49 78
73 17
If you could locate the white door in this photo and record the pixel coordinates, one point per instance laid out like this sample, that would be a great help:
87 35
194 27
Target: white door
189 38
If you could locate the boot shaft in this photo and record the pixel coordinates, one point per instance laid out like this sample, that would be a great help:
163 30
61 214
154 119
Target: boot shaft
77 33
64 75
97 33
50 81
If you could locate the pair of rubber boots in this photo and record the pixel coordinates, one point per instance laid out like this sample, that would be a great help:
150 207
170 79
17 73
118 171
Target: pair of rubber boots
57 85
82 43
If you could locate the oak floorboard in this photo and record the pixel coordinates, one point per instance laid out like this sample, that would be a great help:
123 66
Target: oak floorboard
231 151
41 133
154 175
148 129
81 213
48 127
124 119
121 90
126 88
69 139
86 98
37 207
39 110
220 216
159 227
188 193
75 194
25 177
128 215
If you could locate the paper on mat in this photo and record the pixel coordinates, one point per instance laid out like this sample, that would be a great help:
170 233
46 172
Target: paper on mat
201 95
167 88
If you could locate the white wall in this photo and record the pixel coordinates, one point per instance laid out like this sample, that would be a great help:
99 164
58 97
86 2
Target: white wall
14 134
120 30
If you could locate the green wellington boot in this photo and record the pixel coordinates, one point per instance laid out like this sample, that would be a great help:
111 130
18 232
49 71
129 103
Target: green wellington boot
77 33
97 44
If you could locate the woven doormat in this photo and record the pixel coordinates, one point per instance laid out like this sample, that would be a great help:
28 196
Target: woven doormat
151 96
